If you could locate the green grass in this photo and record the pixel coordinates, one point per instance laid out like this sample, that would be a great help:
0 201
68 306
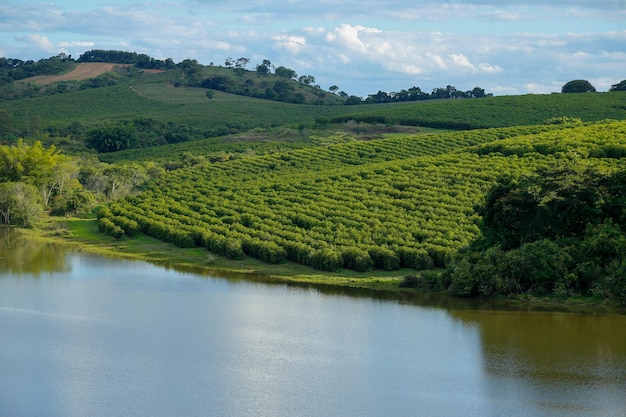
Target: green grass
162 102
497 111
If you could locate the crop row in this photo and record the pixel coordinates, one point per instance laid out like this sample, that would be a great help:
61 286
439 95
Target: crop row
410 212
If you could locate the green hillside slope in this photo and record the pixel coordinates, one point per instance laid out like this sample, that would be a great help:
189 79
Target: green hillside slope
403 201
497 111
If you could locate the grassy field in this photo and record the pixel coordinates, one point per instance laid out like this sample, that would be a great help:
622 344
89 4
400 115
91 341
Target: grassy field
497 111
163 102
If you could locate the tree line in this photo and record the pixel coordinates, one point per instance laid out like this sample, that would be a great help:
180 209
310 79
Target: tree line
416 94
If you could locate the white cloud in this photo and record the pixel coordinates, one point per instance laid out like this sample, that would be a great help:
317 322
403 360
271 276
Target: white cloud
363 45
76 44
292 44
38 42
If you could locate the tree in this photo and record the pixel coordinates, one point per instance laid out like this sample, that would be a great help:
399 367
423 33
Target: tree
242 62
284 72
477 92
578 86
262 69
306 79
354 100
333 89
111 138
621 86
20 204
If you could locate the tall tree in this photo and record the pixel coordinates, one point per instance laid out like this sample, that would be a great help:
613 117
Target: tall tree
578 86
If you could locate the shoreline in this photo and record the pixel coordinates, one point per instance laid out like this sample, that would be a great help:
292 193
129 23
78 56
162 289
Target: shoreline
82 235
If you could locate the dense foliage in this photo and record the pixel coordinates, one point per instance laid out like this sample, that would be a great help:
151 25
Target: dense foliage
35 178
403 201
32 178
121 57
558 231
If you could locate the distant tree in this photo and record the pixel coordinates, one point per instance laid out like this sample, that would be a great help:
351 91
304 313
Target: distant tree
111 138
578 86
477 92
210 94
284 72
333 89
282 87
262 69
354 100
306 79
621 86
242 62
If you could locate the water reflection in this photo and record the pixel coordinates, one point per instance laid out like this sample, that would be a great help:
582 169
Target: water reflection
109 337
19 255
557 358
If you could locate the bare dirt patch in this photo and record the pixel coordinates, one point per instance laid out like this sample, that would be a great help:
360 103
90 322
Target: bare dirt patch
81 72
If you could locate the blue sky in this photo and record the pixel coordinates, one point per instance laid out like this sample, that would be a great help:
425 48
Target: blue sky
362 46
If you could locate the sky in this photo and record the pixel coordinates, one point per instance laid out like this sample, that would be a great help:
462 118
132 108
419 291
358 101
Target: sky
507 47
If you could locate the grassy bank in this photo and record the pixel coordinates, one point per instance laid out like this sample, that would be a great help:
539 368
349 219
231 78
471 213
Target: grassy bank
82 234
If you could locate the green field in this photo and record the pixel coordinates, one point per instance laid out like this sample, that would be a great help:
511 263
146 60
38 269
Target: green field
497 111
401 201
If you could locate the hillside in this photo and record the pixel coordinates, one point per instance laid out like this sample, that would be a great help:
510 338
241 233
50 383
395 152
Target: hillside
495 111
80 72
403 201
161 103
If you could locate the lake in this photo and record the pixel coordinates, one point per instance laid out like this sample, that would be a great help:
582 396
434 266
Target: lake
82 335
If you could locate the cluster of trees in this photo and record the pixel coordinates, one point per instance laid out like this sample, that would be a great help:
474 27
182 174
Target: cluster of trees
416 94
131 58
584 86
283 87
137 133
280 90
560 232
35 179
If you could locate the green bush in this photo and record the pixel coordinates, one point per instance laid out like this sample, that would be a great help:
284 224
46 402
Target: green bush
357 259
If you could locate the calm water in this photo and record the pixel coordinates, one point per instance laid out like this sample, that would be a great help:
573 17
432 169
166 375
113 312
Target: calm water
86 336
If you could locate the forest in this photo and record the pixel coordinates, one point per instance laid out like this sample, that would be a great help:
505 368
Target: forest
501 196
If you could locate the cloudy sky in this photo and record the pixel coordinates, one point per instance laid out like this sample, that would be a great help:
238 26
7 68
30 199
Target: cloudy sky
362 46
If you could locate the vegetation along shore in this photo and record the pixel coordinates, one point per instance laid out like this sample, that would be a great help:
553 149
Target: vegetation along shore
262 172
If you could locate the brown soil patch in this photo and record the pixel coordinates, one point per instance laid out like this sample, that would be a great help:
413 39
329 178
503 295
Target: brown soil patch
81 72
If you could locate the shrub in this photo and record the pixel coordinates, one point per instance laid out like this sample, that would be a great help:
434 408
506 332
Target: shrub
384 258
357 259
326 259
